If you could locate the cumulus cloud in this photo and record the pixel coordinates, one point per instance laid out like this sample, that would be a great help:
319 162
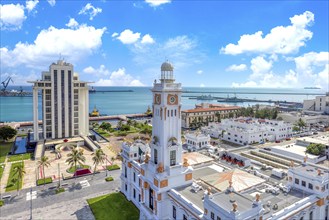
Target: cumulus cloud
128 36
236 68
119 78
51 2
31 4
311 69
73 44
72 23
280 40
199 72
90 10
101 71
156 3
147 39
12 16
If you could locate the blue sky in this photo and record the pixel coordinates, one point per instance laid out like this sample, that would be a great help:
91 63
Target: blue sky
275 44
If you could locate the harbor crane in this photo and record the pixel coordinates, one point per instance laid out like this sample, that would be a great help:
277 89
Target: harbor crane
6 82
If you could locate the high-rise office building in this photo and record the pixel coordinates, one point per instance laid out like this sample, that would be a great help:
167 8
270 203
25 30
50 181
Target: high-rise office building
65 103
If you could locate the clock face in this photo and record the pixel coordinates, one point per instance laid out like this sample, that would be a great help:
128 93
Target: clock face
172 99
157 99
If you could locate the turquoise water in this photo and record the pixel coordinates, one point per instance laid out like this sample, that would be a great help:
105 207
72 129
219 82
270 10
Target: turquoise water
113 103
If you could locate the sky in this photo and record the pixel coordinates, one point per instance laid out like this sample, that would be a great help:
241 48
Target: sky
236 43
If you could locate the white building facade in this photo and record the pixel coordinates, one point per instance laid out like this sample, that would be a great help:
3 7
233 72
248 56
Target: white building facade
197 140
248 131
65 103
319 104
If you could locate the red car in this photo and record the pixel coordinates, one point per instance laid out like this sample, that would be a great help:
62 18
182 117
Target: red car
277 141
288 139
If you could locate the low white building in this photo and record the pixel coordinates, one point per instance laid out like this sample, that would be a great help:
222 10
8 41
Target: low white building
322 138
197 140
245 131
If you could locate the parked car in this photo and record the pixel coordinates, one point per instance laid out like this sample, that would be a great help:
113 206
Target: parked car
277 141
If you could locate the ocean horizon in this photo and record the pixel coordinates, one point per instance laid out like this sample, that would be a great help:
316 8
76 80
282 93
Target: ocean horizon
137 101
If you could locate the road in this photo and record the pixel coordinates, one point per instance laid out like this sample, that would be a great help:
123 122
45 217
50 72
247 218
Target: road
71 204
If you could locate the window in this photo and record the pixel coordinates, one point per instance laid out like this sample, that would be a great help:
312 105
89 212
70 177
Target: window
297 181
184 217
151 199
311 215
172 158
303 183
134 193
155 156
174 212
212 215
134 177
125 171
139 197
310 186
218 218
126 188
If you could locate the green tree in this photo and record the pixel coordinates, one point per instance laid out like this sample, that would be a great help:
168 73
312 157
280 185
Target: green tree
106 126
7 132
44 162
315 149
76 156
129 122
98 158
120 123
217 114
301 124
19 172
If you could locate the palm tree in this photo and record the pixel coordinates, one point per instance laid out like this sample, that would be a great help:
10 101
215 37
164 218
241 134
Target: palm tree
19 171
76 156
98 158
44 162
300 123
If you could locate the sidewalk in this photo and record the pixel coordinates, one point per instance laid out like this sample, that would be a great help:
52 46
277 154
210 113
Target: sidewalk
5 177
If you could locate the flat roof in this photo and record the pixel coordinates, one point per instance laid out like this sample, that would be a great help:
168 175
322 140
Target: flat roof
226 200
318 139
295 149
194 197
195 158
211 109
312 170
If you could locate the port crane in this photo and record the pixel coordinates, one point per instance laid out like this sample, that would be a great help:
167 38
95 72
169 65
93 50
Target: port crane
6 82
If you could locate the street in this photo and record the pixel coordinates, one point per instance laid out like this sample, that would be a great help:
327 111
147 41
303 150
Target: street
71 204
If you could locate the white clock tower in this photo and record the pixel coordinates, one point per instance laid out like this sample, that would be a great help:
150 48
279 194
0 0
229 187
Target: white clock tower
164 169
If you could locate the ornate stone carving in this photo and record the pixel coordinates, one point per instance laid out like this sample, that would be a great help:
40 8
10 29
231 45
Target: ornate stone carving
147 158
185 163
160 168
235 207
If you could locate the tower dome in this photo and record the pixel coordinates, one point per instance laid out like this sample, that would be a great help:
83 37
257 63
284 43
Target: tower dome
166 66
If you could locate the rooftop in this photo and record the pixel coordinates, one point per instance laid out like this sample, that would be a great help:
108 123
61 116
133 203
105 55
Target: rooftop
313 171
226 200
195 158
318 139
295 149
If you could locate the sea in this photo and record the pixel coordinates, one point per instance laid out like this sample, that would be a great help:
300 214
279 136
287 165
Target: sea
130 100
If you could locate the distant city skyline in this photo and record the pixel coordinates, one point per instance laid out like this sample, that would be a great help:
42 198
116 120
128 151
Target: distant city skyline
275 44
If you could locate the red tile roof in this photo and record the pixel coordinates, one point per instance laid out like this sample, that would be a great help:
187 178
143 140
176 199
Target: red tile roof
211 109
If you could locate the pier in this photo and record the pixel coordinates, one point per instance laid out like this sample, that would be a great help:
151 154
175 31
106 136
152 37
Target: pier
255 93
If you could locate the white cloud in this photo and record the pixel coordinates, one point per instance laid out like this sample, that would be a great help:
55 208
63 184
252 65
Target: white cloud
31 4
128 37
21 79
259 67
51 2
312 69
72 44
147 39
90 10
101 71
12 16
156 3
236 68
119 78
72 23
280 40
199 72
181 50
202 85
114 34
